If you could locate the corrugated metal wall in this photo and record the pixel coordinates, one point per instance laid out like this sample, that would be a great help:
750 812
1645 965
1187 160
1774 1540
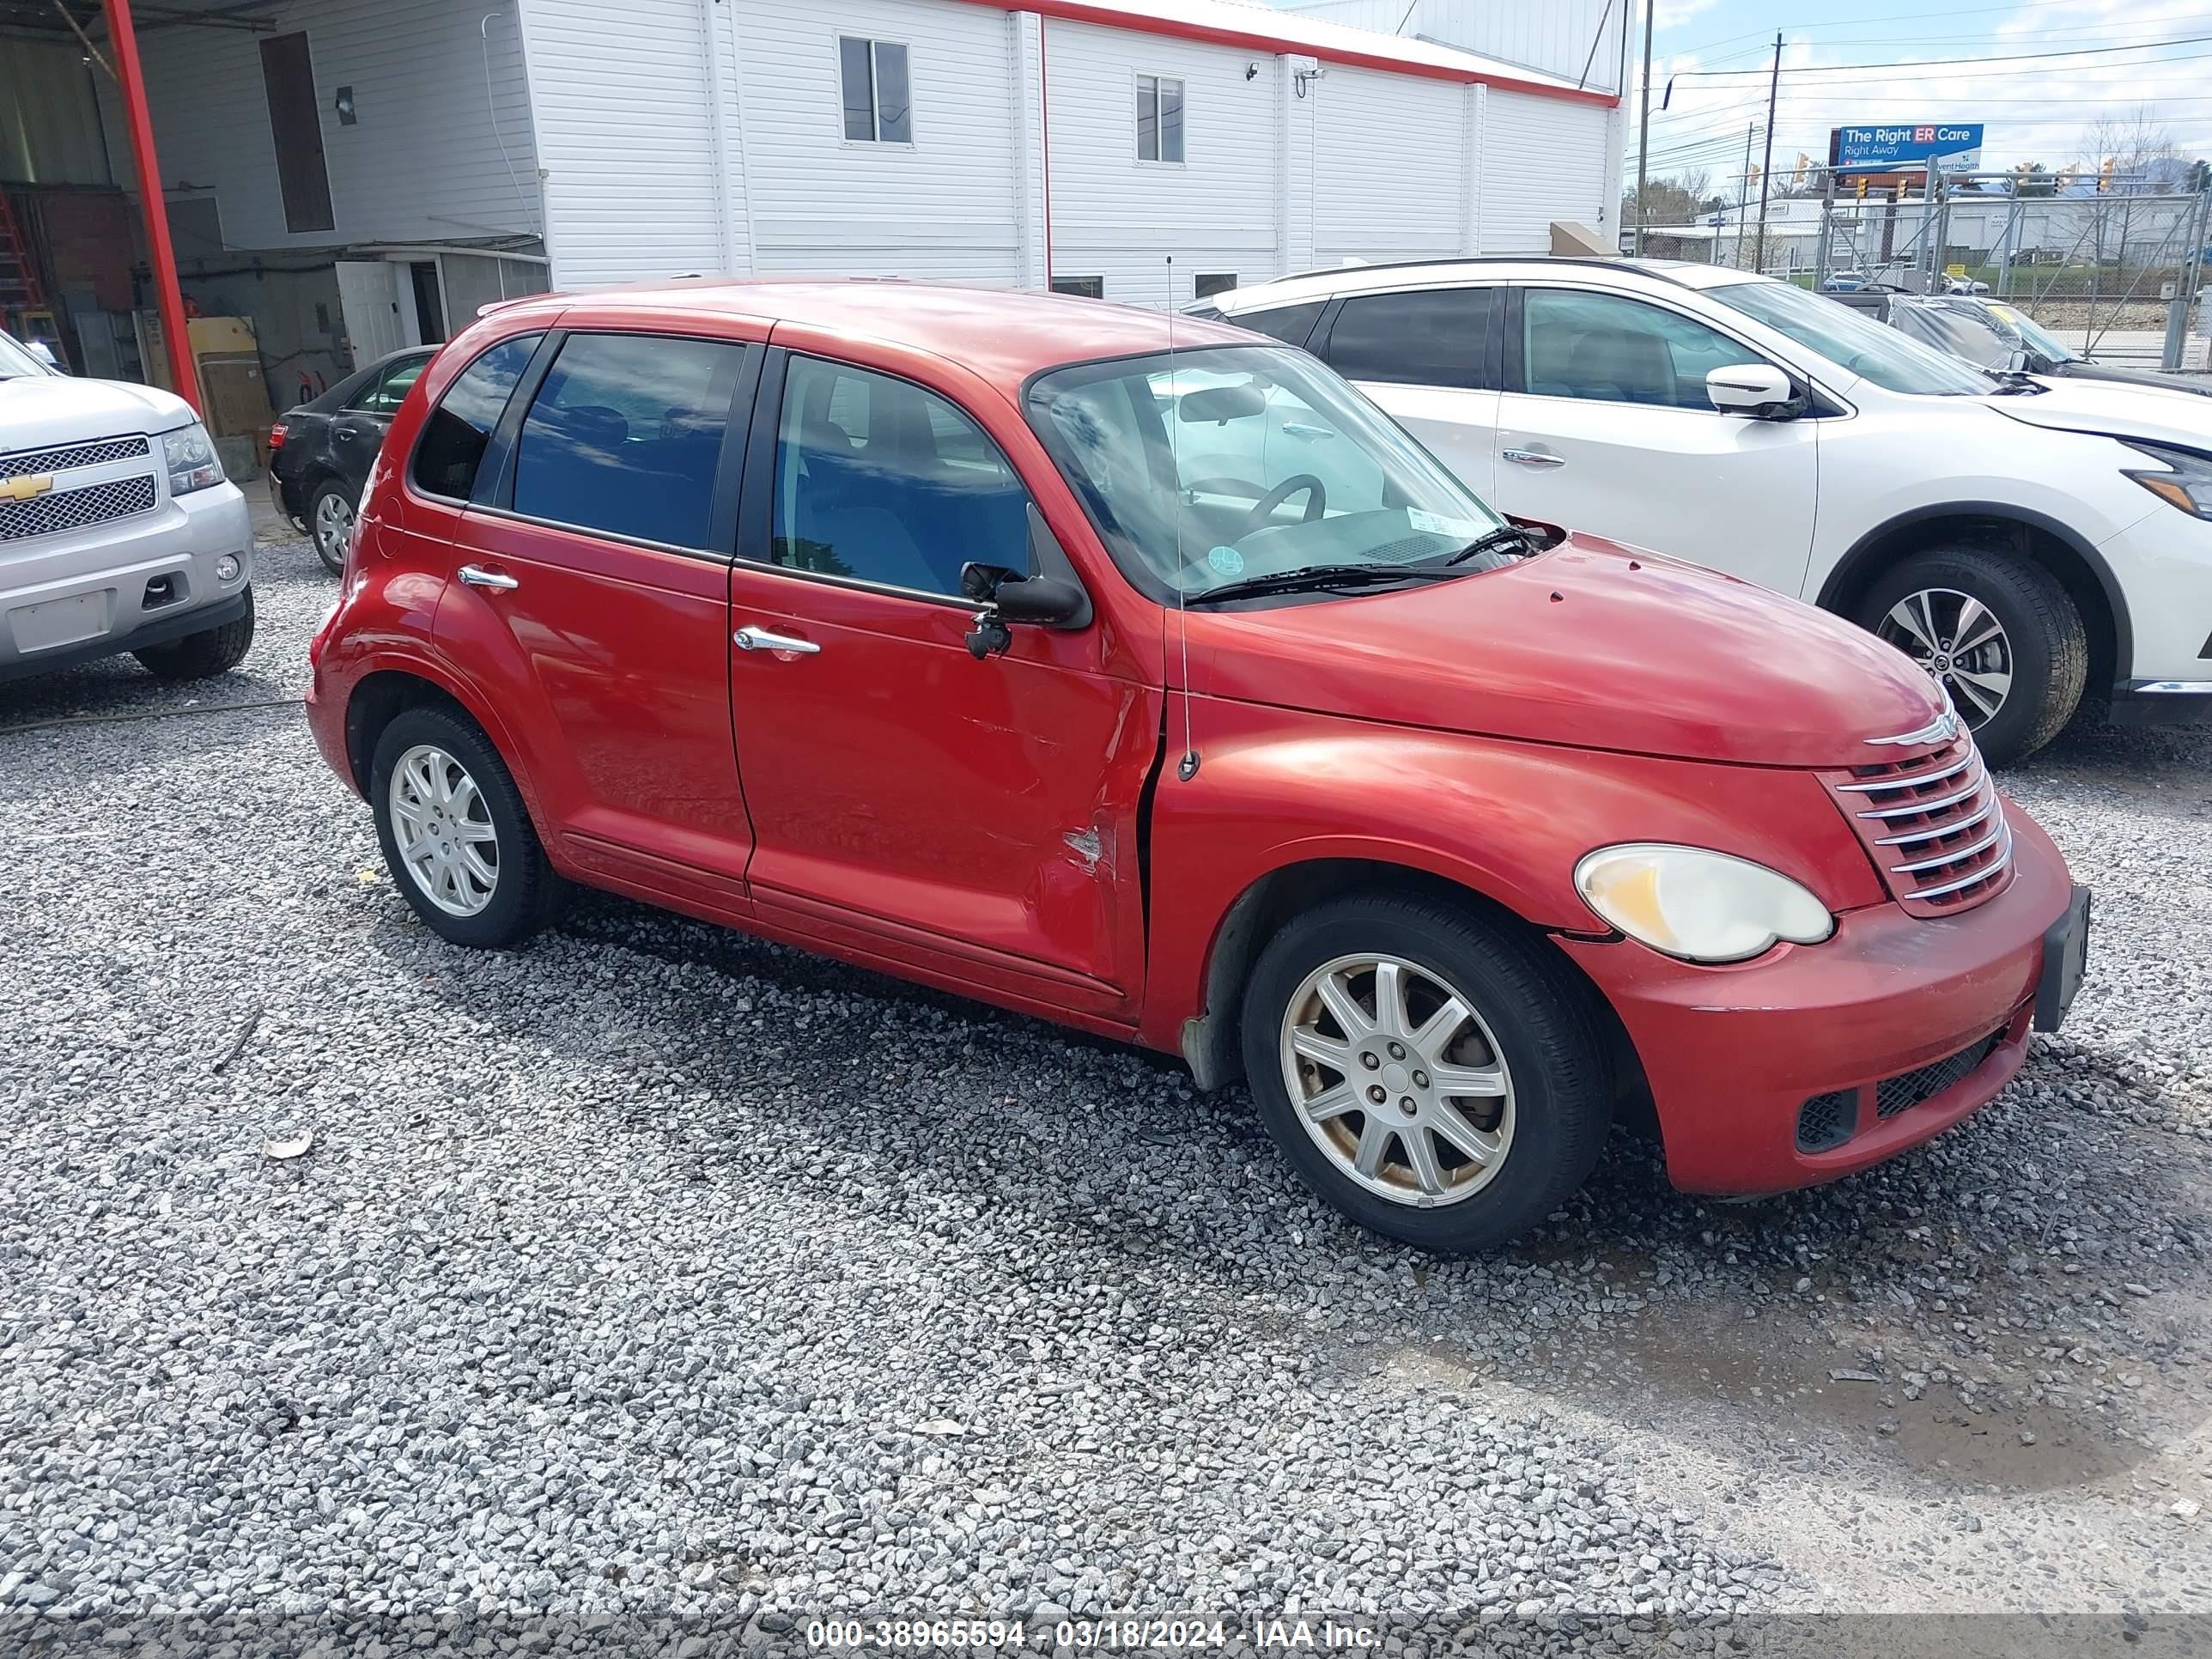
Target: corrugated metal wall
707 135
422 163
1552 35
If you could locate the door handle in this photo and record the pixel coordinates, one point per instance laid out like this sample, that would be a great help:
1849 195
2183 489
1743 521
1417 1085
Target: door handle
759 639
1300 429
477 576
1533 457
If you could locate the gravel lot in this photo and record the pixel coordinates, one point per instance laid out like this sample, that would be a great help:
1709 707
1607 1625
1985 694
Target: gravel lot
660 1275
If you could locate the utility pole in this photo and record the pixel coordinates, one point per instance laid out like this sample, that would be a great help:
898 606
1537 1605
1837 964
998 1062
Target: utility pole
1643 125
1743 192
1766 165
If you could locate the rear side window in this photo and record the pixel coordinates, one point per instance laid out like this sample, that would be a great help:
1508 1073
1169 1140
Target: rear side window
385 393
453 438
625 435
880 481
1291 324
1432 336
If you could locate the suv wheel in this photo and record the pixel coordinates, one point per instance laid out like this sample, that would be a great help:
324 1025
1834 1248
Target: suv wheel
329 523
1434 1078
456 835
2000 635
201 656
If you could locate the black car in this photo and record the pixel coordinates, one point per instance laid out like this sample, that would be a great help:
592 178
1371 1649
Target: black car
1993 335
320 452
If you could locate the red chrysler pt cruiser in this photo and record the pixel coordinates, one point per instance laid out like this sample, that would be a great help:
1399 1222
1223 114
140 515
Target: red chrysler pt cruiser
1142 676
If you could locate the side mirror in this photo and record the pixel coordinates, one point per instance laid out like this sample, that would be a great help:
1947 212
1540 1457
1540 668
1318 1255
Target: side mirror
1758 390
1008 596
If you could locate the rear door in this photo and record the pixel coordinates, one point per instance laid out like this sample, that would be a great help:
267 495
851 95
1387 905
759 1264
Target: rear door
592 596
1605 428
1429 356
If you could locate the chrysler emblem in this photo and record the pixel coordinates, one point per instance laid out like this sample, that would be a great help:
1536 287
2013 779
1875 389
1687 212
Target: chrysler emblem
21 489
1942 729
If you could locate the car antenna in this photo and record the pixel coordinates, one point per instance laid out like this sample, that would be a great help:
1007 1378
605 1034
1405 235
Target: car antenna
1186 768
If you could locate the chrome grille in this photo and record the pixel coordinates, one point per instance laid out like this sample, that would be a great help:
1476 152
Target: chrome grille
1934 824
99 453
73 509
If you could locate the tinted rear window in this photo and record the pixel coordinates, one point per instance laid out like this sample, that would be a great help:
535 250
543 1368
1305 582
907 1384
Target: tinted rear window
625 436
1292 325
1432 336
454 436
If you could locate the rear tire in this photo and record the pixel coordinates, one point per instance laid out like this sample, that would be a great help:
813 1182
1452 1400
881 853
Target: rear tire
330 524
1513 1100
436 780
1936 607
204 655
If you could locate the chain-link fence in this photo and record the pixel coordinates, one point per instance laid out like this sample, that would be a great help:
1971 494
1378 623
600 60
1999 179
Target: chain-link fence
2114 272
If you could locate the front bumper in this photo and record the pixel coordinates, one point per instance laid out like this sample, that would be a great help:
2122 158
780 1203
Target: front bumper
115 586
1733 1055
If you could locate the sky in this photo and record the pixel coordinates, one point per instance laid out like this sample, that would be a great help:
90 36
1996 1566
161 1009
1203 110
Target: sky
2035 108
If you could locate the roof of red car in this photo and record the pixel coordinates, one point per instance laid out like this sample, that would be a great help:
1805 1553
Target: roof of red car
1008 333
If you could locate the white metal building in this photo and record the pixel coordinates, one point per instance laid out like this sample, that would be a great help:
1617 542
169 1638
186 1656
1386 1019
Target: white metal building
360 174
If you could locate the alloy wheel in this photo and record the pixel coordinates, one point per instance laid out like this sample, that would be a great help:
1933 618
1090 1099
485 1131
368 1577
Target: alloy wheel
442 826
1398 1079
333 525
1959 640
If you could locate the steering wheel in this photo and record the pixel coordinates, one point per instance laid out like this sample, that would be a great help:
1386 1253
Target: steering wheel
1264 508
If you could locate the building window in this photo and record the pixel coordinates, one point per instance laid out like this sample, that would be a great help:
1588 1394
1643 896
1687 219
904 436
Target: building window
1220 282
295 127
878 109
1089 287
1159 118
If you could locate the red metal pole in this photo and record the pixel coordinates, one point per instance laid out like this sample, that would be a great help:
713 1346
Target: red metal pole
167 294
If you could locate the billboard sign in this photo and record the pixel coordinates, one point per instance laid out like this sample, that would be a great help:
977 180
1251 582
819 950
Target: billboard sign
1945 146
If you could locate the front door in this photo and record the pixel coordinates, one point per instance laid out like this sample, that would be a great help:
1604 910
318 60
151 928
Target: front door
975 819
1605 428
592 591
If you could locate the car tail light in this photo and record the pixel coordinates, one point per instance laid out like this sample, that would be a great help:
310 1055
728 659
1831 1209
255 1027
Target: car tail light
276 435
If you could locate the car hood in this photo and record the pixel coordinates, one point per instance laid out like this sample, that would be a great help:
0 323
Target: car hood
1592 645
2113 409
37 412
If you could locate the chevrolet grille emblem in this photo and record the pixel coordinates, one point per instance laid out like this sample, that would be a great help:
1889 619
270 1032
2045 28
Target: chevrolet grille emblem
21 489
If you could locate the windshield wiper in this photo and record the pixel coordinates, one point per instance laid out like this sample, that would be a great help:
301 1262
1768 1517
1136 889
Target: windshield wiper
1493 541
1319 578
2016 383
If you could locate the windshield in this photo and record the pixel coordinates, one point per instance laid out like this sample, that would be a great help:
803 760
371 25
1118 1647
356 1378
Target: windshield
15 361
1962 330
2040 339
1244 462
1852 342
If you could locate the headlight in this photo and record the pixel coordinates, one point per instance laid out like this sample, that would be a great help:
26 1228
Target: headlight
1698 905
189 453
2187 486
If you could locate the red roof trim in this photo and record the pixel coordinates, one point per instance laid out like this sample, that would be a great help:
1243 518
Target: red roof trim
1105 17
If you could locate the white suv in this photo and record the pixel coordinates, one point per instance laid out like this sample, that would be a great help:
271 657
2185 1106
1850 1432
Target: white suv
117 532
2031 543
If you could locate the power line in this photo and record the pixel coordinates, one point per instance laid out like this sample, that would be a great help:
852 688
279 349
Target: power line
1888 17
1970 65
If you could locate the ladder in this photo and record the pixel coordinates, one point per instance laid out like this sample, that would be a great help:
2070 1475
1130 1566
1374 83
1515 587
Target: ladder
20 295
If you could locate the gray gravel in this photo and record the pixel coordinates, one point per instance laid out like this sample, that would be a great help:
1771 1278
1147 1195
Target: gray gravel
659 1282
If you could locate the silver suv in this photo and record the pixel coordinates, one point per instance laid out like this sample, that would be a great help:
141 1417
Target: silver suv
118 530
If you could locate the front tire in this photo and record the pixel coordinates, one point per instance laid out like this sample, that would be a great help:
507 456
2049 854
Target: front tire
456 834
2000 634
330 524
204 655
1434 1077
